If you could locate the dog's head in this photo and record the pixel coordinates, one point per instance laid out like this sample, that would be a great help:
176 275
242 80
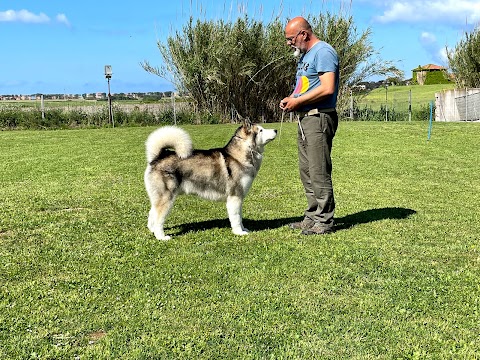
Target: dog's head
256 135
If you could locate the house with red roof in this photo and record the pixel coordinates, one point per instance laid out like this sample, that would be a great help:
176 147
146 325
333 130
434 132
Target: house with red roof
430 74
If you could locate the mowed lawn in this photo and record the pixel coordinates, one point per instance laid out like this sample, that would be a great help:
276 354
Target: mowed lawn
82 278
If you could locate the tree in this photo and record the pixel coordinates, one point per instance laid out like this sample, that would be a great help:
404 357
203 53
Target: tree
245 68
228 67
464 60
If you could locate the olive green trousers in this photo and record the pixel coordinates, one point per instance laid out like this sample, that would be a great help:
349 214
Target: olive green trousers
315 139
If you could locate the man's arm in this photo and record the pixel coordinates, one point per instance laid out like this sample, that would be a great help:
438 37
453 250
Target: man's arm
327 88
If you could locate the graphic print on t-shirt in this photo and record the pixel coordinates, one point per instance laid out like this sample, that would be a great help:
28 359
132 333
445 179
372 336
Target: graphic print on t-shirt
302 85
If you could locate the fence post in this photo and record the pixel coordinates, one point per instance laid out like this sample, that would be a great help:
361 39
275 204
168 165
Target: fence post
386 102
466 104
42 107
174 112
410 105
430 124
351 104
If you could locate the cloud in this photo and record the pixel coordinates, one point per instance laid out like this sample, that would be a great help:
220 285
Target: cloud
428 38
62 19
25 16
436 51
445 11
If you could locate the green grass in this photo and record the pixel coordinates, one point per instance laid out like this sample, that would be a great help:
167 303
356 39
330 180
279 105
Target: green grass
398 97
81 277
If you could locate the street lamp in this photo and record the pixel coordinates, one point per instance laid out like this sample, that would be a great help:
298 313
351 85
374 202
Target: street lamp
108 76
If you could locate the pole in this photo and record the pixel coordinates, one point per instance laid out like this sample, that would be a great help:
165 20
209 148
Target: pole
410 105
174 112
42 107
386 102
351 104
466 104
431 119
110 114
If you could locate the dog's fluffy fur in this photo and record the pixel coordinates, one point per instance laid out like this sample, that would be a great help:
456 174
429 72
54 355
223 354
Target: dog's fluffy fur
217 174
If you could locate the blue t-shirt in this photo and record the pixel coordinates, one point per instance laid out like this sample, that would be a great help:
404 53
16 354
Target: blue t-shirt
321 58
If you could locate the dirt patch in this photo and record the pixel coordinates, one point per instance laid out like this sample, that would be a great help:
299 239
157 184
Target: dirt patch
96 336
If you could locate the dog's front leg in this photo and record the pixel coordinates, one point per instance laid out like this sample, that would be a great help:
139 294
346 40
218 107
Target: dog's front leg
234 209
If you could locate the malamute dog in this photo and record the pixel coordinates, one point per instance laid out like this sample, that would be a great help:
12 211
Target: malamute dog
227 173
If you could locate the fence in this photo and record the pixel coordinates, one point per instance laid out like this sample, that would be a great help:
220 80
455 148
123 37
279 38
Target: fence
59 114
458 105
393 103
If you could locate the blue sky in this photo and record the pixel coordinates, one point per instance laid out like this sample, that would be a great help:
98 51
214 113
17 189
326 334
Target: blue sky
62 46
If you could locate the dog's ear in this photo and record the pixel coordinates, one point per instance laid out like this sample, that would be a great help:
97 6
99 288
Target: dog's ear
247 123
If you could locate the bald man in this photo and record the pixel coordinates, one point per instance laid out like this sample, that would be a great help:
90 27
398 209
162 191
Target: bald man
314 101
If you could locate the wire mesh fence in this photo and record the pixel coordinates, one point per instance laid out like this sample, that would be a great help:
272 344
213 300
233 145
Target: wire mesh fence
393 104
458 105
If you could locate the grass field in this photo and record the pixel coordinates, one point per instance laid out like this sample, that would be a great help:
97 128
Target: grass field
81 277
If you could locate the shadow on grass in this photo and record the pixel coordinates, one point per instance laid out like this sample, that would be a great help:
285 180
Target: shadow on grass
342 223
367 216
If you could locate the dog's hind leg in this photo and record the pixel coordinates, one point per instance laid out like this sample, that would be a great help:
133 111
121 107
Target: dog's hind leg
151 219
161 206
234 209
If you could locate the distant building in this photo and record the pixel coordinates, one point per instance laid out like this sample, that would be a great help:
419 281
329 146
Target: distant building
430 74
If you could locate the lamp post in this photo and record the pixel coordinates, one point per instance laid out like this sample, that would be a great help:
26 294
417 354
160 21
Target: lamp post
108 76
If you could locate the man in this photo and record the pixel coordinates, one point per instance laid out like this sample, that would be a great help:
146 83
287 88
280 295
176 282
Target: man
313 100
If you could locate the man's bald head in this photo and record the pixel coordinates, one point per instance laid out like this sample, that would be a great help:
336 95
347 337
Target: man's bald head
297 24
299 34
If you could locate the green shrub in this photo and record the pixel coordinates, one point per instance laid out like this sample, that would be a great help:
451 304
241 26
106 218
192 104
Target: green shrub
8 118
437 77
422 113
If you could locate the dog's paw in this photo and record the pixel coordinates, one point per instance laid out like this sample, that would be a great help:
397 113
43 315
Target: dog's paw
241 232
160 235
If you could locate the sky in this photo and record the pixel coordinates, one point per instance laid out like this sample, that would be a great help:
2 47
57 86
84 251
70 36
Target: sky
61 47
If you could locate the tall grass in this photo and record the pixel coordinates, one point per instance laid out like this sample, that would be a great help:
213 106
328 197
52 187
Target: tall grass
81 276
244 65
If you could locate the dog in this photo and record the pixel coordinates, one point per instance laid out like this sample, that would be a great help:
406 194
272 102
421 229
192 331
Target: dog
222 174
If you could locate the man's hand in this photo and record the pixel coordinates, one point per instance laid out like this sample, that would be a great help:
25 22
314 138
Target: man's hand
289 104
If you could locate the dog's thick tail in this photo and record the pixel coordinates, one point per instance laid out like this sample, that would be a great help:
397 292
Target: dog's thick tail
168 137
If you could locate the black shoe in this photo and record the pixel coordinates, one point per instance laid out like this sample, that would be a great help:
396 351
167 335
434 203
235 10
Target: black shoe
306 223
317 229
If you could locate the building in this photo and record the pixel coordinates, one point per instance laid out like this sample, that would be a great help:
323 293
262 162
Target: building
430 74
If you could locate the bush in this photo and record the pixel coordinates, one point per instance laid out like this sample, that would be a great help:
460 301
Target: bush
19 118
437 77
